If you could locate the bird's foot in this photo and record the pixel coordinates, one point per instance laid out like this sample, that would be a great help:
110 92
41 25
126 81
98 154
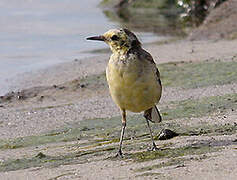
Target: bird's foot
119 154
154 148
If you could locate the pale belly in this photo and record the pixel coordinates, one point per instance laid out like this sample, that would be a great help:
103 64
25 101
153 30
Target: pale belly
132 90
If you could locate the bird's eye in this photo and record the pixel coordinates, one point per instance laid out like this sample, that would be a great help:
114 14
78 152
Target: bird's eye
114 38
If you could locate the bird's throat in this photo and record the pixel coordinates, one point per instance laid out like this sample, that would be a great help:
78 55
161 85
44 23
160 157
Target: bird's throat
120 50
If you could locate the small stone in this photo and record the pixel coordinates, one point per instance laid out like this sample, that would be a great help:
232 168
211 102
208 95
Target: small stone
167 134
40 155
82 85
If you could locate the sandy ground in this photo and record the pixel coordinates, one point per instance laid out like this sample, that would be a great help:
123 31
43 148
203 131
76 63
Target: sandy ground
34 117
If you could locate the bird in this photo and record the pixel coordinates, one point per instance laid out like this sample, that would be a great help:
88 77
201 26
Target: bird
133 78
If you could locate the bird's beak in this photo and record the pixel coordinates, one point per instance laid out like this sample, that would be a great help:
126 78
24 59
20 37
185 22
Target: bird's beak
96 38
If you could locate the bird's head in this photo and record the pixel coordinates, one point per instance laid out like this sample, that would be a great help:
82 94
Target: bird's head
119 40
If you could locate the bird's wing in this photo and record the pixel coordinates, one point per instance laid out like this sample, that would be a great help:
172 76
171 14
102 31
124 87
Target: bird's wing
147 57
153 115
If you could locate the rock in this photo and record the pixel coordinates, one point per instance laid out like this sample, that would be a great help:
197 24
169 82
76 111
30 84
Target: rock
167 134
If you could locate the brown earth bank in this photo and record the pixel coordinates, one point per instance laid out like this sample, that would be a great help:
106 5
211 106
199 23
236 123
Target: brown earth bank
220 23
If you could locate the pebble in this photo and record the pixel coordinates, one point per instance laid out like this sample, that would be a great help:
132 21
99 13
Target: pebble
167 134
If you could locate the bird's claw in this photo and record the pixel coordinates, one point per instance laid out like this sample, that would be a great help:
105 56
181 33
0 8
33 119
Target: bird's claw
154 148
119 154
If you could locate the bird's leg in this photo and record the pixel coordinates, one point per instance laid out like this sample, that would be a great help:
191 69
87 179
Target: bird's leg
153 142
123 112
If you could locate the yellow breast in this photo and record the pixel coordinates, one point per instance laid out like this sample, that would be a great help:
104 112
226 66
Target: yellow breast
133 85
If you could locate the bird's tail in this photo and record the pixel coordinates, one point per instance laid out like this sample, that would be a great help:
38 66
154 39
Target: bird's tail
153 115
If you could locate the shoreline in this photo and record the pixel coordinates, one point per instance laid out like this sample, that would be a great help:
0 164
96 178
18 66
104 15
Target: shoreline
180 50
14 82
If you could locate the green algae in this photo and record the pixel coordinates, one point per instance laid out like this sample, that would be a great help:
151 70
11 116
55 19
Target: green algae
82 156
204 129
43 160
98 147
201 74
56 136
101 131
171 153
148 174
200 107
186 74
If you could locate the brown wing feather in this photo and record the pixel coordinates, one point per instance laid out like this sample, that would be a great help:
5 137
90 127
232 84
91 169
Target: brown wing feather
153 115
147 56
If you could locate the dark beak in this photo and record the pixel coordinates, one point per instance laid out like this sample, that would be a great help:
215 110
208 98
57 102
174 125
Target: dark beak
96 38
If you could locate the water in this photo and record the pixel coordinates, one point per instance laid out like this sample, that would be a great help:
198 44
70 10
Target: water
39 33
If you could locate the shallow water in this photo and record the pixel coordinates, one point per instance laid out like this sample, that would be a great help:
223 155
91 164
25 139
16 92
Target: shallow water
39 33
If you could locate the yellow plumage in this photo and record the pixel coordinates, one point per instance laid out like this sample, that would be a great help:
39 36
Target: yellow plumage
133 78
133 84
